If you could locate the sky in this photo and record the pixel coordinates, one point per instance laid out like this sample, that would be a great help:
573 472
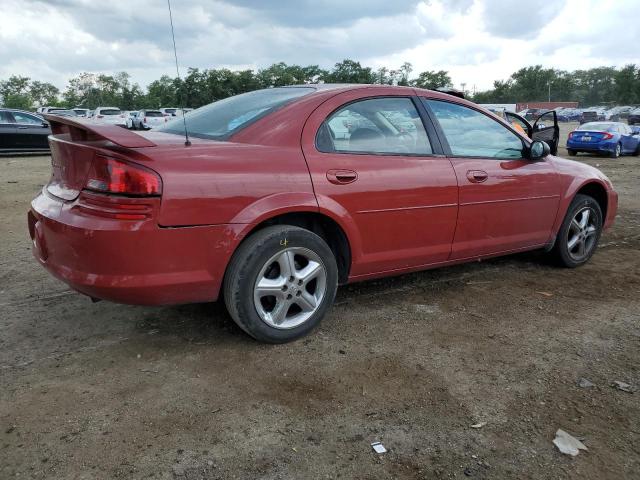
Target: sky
477 41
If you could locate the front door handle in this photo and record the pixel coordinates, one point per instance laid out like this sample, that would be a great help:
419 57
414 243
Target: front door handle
342 177
22 128
477 176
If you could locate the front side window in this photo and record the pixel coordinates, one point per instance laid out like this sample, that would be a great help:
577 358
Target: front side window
473 134
26 119
378 125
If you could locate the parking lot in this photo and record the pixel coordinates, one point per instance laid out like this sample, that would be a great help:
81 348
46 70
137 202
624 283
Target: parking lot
99 390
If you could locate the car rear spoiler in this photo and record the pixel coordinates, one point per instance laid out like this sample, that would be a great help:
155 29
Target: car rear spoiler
84 130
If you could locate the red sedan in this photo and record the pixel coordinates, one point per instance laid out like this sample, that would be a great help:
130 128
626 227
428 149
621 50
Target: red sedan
273 202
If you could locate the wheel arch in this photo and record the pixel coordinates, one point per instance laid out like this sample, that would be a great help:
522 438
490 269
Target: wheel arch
319 223
598 192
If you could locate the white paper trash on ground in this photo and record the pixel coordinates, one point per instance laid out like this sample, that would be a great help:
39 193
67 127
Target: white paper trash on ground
378 447
568 444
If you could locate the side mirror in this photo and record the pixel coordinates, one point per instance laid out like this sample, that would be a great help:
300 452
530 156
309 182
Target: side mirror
635 130
539 150
45 125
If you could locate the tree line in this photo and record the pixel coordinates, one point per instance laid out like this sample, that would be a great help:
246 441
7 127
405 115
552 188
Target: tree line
200 87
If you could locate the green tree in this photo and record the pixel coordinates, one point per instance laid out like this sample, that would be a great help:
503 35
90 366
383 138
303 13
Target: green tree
432 80
349 71
627 85
14 92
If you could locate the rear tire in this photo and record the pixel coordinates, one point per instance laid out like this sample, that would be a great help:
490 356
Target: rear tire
579 233
280 283
571 152
617 152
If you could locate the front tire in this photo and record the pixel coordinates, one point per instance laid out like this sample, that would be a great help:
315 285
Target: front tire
280 283
579 233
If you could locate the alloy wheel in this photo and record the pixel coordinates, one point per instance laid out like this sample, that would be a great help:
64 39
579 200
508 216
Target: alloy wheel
582 234
290 287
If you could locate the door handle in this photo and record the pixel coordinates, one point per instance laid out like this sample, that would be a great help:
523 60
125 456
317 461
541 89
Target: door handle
22 128
477 176
341 177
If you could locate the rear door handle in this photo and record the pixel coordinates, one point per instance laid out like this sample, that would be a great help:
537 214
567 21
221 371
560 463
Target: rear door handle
477 176
341 177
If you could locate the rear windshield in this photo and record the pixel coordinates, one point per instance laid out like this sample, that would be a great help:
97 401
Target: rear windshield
597 127
223 118
153 114
110 111
170 110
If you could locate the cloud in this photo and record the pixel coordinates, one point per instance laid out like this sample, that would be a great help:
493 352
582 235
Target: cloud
478 41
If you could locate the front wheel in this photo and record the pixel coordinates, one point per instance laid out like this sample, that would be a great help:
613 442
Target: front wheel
280 283
580 232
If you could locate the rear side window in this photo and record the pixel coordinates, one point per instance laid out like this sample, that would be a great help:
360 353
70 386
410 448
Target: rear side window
27 119
473 134
223 118
389 126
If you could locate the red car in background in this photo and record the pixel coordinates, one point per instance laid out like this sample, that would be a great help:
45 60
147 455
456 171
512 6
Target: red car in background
269 207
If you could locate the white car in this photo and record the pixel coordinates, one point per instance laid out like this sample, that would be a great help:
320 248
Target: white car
110 116
131 115
82 112
148 119
175 111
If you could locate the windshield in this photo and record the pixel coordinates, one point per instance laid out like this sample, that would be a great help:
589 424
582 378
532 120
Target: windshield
595 126
221 119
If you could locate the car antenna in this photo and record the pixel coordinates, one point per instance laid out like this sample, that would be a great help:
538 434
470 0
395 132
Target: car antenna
187 142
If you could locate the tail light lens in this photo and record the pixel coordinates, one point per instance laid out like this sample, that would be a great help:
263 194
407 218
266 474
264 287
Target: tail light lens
108 175
144 119
607 136
571 134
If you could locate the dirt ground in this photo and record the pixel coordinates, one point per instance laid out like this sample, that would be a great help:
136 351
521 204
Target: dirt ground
101 391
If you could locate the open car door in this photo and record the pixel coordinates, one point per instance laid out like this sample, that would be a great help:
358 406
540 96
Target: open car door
547 130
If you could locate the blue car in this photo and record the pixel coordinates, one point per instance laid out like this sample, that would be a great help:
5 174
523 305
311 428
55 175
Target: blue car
606 138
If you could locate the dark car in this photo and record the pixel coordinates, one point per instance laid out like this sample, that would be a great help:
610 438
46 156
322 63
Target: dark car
22 131
634 117
591 116
266 207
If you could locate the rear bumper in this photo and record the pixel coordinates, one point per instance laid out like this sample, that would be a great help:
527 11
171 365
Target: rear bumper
592 147
130 261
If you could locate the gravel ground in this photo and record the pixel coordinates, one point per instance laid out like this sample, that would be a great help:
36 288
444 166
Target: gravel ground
93 391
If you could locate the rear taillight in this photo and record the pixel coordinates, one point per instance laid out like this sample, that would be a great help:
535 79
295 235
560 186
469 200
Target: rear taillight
99 116
144 119
606 136
108 175
571 134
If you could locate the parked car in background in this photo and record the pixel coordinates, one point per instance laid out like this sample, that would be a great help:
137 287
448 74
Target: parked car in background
64 113
169 111
174 111
22 131
109 116
591 116
148 119
82 112
531 113
609 138
634 117
131 115
568 114
275 211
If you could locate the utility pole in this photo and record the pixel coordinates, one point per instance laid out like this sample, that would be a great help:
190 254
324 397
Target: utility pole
549 85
